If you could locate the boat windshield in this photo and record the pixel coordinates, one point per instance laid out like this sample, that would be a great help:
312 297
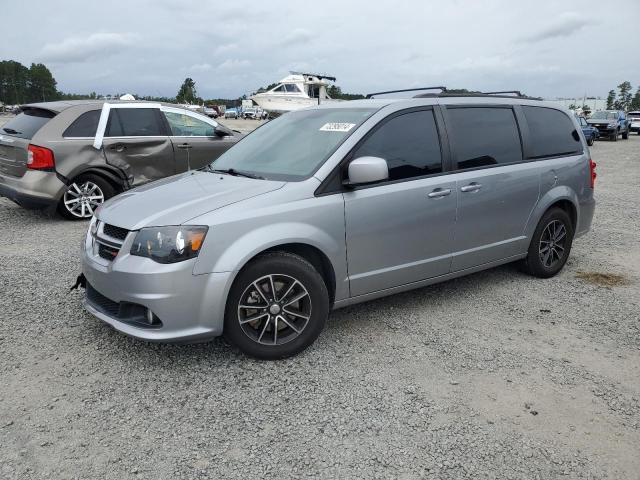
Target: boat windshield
603 115
293 146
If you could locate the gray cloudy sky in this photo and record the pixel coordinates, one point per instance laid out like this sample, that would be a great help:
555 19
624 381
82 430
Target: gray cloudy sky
543 47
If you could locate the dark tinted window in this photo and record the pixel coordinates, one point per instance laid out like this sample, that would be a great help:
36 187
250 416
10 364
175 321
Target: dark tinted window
552 132
27 123
134 122
84 126
409 143
484 136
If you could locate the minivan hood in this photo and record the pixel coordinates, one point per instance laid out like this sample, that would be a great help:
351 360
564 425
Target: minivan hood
177 199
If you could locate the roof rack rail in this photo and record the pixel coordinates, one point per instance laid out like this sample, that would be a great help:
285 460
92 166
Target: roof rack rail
371 95
515 92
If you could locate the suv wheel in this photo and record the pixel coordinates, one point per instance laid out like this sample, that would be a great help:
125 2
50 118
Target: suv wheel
550 245
591 140
83 196
625 135
614 135
277 306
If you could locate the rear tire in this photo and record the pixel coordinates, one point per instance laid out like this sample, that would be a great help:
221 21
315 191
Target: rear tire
83 196
550 245
258 319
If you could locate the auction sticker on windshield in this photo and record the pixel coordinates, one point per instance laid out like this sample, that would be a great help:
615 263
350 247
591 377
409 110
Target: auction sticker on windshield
337 127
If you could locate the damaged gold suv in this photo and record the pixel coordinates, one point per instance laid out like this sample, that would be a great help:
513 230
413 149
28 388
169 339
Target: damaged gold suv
74 155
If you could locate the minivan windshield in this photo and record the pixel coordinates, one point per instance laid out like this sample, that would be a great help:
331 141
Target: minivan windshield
602 115
293 146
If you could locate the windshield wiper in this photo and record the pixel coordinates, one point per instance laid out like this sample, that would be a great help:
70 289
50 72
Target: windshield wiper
236 173
12 131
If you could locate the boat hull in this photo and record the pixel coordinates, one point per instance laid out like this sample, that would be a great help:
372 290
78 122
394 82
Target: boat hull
285 103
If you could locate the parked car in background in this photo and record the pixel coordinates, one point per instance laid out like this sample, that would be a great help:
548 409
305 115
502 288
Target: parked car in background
210 112
610 124
249 114
335 205
634 121
74 155
231 113
589 131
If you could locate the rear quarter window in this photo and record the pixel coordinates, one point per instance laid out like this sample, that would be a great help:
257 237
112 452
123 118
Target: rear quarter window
27 123
84 126
552 133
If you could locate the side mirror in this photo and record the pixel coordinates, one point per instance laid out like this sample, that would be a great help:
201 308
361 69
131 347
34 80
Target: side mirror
367 170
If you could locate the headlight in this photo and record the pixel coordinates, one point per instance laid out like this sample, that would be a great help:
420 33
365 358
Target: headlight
169 244
93 226
611 125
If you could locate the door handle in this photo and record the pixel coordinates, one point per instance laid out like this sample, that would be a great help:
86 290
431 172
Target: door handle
472 187
439 192
118 148
184 146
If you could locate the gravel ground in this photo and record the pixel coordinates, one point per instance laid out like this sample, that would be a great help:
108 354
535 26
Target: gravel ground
496 375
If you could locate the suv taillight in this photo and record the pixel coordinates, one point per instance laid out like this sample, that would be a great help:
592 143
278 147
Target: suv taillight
40 158
592 172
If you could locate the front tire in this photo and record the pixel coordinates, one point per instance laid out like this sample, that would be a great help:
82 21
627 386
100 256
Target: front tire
550 245
83 196
625 135
277 306
614 136
591 141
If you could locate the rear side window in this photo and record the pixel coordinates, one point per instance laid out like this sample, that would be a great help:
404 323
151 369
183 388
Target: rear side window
84 126
484 136
552 132
27 123
409 143
134 122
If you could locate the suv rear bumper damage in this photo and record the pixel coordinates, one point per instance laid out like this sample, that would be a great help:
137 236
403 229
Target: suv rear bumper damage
35 190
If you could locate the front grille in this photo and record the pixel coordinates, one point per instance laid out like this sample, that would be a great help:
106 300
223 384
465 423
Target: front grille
101 302
107 252
115 232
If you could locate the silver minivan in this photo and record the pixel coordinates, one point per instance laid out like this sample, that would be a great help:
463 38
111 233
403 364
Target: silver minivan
336 205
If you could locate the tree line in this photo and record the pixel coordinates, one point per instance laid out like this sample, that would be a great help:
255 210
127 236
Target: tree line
19 84
624 99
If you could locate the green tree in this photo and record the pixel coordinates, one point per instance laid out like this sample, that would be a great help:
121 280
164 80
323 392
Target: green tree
625 97
336 92
187 92
573 106
635 103
41 85
586 110
14 78
611 98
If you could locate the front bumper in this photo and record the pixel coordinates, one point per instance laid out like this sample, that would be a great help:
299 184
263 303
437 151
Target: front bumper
634 127
188 307
35 190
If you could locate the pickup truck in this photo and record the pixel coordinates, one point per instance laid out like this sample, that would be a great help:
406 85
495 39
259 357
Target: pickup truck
611 124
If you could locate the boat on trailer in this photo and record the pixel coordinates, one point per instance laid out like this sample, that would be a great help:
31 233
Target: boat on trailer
295 91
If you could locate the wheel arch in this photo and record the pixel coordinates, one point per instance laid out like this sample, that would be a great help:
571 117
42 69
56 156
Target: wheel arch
561 197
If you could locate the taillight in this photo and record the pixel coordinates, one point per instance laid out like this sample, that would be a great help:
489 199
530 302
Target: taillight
40 158
592 172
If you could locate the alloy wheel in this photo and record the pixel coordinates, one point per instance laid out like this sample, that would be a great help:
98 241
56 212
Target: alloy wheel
274 309
552 243
81 200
